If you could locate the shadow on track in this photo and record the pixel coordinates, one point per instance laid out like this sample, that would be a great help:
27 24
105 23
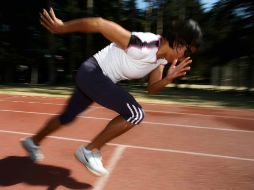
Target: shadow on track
15 169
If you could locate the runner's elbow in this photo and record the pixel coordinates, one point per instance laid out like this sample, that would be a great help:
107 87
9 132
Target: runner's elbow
99 23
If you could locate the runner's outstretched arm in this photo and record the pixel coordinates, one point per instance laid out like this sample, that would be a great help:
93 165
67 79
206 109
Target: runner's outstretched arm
110 30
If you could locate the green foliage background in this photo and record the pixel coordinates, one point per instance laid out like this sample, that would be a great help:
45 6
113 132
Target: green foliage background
29 54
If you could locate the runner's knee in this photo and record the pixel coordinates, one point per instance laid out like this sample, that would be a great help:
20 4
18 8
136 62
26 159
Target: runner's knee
135 114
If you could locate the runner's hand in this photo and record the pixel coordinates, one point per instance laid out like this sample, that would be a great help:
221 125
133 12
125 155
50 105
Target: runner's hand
49 21
176 71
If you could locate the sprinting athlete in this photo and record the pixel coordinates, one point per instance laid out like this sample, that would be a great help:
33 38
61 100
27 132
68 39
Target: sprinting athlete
131 55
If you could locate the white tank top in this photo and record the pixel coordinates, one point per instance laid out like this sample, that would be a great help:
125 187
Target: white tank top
138 60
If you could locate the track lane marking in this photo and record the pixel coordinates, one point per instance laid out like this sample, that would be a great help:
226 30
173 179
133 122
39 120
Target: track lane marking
201 154
144 122
117 154
146 110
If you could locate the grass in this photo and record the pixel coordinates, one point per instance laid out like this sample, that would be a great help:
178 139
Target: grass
200 95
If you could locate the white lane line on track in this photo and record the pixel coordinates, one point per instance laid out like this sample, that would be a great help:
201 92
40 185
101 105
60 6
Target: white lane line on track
144 122
204 115
146 110
221 108
101 182
43 103
201 154
7 99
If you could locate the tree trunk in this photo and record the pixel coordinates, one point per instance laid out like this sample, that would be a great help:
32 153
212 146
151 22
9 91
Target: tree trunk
34 74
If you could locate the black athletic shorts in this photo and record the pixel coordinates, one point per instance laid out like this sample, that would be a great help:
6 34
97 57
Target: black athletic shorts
93 86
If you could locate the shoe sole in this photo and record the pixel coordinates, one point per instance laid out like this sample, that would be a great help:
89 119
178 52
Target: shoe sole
84 164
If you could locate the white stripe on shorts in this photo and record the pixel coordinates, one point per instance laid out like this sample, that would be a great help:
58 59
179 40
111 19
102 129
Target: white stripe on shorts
141 115
132 114
136 114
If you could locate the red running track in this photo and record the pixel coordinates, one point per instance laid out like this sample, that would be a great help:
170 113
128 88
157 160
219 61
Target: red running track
176 148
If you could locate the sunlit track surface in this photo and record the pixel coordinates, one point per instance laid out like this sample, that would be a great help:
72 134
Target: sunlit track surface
175 147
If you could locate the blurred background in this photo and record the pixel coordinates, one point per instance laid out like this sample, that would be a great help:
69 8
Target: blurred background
31 55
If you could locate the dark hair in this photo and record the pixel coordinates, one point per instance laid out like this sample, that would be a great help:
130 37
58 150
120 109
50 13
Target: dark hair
184 32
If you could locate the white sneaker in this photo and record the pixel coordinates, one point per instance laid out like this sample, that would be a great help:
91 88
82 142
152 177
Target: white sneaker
32 149
91 160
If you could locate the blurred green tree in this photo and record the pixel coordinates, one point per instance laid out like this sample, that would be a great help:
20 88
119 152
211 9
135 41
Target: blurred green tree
229 36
